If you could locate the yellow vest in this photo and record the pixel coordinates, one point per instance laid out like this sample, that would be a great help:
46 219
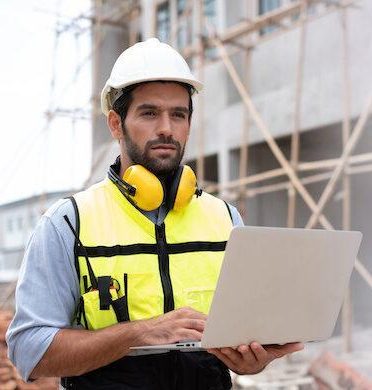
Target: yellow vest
143 269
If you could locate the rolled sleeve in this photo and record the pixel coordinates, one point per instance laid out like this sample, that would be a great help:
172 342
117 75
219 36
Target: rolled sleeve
46 294
29 347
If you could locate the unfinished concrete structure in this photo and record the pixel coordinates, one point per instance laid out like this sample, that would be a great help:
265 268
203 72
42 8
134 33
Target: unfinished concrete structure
281 128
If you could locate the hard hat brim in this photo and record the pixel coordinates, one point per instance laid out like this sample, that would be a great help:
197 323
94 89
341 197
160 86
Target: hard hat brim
106 105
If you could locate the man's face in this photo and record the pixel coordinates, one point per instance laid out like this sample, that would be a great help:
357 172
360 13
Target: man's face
156 127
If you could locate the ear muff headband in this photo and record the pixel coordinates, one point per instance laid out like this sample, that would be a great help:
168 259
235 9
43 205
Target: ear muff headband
140 186
126 187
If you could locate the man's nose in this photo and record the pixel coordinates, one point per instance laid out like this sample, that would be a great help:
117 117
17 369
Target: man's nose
165 125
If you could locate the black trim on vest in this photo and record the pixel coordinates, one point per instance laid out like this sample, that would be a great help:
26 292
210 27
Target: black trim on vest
164 268
228 209
116 250
77 229
93 279
139 249
85 282
196 246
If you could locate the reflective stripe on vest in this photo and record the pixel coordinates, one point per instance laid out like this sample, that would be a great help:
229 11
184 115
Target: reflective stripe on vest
154 269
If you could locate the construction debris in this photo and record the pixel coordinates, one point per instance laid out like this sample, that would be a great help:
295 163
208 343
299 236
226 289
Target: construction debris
9 377
332 373
321 366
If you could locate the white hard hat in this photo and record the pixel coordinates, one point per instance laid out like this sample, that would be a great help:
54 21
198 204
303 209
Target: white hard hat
147 61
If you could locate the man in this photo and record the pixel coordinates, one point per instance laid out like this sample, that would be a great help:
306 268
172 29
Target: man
134 259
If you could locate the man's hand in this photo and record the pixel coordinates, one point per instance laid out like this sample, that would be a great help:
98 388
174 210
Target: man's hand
181 324
253 358
77 351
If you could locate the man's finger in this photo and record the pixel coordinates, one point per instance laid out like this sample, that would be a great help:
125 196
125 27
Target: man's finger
187 323
196 324
217 352
187 334
279 351
248 354
259 353
188 312
234 356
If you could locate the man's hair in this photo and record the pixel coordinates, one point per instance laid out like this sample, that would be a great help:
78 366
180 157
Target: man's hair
122 104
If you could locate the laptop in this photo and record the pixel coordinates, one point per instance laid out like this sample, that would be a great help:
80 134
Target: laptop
276 285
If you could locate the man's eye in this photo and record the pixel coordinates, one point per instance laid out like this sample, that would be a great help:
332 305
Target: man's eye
180 115
149 113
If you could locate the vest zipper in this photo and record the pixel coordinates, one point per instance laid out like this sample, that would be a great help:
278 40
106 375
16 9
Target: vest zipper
164 267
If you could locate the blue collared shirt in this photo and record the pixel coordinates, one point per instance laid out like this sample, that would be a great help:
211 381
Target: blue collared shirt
48 288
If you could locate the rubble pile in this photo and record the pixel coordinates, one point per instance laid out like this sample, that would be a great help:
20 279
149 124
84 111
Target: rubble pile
321 366
333 373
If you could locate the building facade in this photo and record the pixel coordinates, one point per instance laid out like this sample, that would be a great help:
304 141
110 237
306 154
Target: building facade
17 221
305 66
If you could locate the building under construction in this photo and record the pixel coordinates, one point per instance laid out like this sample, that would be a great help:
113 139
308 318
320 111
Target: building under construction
282 127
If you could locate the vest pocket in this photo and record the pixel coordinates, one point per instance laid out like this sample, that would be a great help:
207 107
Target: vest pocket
93 316
103 307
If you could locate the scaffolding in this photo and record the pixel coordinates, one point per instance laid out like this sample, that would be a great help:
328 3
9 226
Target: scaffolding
243 37
332 170
340 168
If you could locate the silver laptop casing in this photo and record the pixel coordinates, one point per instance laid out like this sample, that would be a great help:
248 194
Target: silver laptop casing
277 285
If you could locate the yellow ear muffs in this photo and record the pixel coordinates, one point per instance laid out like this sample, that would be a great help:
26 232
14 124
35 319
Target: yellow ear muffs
149 193
182 189
146 191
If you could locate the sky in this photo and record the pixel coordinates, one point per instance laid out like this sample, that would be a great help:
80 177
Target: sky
38 155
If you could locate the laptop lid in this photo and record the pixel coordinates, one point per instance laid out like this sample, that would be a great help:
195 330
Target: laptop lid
280 285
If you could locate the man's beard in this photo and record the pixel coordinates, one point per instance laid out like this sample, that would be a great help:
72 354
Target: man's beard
157 165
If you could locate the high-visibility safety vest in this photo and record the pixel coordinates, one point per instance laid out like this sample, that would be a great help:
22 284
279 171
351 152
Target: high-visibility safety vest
130 268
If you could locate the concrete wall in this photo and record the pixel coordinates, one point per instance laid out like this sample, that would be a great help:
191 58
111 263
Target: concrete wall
272 85
272 78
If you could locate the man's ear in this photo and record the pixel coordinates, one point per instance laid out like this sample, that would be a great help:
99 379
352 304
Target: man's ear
114 124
